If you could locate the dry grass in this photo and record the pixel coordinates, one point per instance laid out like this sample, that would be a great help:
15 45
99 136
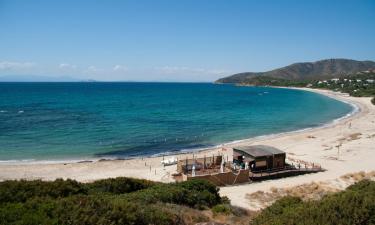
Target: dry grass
350 137
238 216
355 177
354 136
310 191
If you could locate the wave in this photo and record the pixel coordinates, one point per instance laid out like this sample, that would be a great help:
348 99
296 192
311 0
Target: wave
40 161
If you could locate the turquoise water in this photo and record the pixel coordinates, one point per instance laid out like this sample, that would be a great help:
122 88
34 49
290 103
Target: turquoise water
61 121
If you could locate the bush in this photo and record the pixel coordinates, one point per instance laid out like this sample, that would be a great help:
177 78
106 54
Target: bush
119 185
373 100
109 201
222 209
21 191
195 193
86 210
356 205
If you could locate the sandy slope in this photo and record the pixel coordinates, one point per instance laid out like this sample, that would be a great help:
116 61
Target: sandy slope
355 134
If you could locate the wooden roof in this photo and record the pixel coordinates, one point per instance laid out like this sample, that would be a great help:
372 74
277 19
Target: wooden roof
258 150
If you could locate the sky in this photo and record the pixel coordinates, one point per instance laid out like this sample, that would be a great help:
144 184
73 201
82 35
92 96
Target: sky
187 40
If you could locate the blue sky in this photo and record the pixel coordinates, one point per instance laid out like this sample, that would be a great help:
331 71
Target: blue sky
191 40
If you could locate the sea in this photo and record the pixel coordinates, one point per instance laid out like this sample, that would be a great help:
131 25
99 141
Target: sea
48 122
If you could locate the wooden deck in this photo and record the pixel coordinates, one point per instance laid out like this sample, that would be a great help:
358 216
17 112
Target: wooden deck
282 172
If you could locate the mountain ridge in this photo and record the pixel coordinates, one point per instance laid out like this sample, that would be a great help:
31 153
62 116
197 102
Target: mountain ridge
327 68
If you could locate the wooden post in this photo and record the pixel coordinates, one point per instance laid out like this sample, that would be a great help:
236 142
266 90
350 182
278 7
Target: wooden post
338 150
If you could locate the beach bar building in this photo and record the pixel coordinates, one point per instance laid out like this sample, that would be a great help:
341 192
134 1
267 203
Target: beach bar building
249 164
259 157
214 169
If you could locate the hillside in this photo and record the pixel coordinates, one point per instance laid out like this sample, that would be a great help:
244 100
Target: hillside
328 68
133 201
113 201
355 205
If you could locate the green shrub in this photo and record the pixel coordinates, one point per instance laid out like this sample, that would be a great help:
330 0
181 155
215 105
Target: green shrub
110 201
119 185
195 193
21 191
222 209
85 210
356 205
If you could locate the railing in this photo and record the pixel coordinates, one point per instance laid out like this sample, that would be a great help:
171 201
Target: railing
286 169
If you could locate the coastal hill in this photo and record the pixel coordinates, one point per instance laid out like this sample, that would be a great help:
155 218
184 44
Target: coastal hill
327 68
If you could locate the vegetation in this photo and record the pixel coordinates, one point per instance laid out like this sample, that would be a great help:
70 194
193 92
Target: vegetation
21 191
222 209
344 75
134 201
358 85
356 205
323 69
270 81
361 84
110 201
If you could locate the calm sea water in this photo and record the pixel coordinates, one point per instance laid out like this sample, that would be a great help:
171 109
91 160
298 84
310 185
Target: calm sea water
61 121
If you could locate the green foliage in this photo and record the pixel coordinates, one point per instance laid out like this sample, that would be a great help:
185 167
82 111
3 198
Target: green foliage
20 191
85 210
322 69
195 193
373 100
222 209
356 205
118 185
225 200
110 201
271 81
357 85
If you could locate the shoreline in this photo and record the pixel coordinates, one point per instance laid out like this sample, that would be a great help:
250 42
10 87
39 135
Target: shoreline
92 159
355 134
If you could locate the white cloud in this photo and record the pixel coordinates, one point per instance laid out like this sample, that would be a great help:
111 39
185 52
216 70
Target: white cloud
7 65
67 66
91 69
189 70
120 68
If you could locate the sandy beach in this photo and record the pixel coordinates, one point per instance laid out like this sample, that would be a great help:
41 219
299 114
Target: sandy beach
355 136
